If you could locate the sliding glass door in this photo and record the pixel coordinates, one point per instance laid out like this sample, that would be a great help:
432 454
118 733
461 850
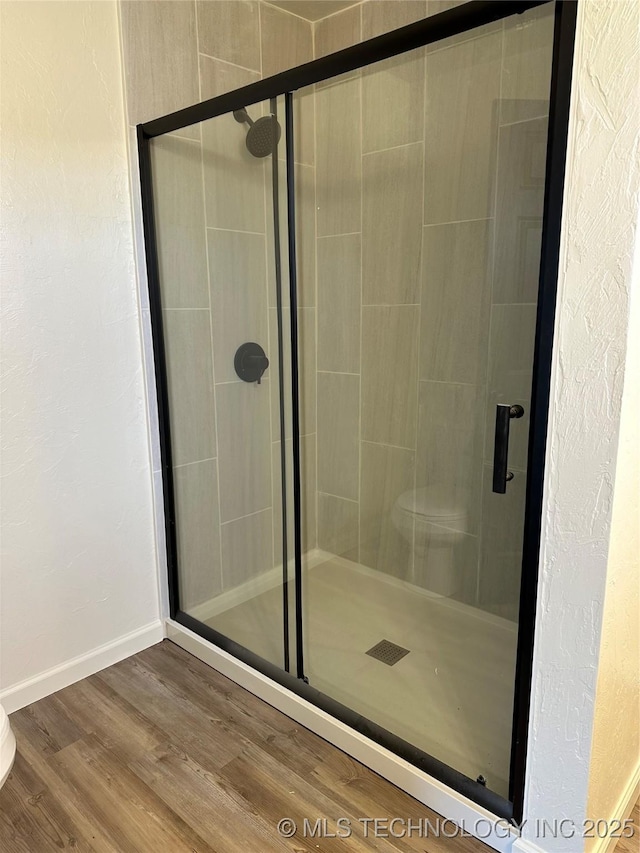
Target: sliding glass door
430 174
351 350
224 333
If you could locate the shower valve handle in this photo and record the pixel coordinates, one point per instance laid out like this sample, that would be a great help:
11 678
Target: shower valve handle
250 362
501 476
257 363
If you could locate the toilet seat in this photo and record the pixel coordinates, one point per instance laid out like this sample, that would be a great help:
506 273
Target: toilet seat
434 504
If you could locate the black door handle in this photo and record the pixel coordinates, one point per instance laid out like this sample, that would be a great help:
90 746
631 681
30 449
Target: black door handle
504 413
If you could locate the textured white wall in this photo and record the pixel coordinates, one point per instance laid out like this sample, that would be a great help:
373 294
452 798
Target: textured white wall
78 566
599 234
615 758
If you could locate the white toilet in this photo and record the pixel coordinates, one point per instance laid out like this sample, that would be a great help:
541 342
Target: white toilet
440 520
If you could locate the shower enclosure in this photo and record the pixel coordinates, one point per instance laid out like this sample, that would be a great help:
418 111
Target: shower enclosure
352 273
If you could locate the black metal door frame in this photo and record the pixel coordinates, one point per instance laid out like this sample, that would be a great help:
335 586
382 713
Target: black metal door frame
465 17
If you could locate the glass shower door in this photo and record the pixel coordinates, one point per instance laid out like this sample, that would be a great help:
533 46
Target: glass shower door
430 171
345 442
223 332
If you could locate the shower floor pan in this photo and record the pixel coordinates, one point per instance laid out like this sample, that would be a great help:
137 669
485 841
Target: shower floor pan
450 696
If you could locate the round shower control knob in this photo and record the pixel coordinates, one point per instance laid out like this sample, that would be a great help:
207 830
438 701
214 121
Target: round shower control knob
250 362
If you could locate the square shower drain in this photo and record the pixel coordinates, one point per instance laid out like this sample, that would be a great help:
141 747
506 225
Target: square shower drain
387 652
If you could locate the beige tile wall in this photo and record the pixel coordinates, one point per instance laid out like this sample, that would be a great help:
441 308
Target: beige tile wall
429 191
420 187
213 202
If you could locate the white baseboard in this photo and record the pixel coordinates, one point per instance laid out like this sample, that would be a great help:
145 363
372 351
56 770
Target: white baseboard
522 845
7 747
623 809
424 788
47 682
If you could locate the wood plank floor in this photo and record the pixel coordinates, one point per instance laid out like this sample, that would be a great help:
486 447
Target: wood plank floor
631 845
160 753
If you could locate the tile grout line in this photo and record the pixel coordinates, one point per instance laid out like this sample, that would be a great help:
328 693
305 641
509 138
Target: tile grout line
195 462
271 345
237 382
206 248
276 383
260 70
338 497
392 148
345 234
316 299
248 515
357 3
315 254
422 276
236 231
178 310
228 62
361 336
302 435
386 444
450 382
523 120
492 261
391 305
514 304
196 16
456 222
285 11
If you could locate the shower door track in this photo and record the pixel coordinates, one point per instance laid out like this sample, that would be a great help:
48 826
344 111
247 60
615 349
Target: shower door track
452 22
